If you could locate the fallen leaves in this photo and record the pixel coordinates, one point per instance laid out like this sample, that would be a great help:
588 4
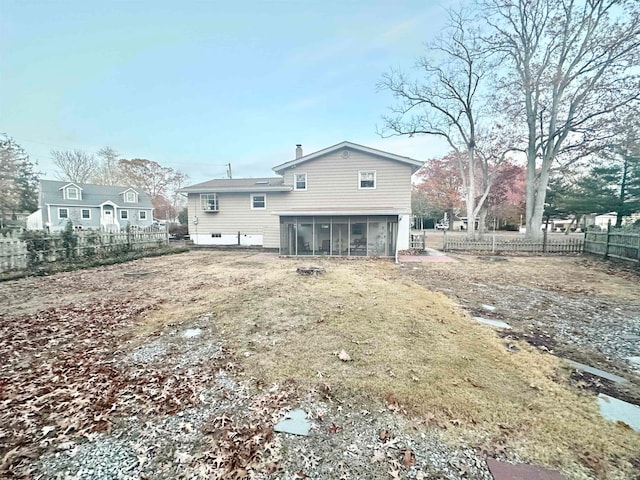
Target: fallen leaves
408 458
63 378
334 428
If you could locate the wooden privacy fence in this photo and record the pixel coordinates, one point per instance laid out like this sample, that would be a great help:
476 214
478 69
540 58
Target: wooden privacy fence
22 252
614 244
497 244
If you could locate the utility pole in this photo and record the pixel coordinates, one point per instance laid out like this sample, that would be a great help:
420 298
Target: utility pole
229 170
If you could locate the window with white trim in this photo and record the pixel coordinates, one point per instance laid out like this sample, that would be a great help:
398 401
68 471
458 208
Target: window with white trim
209 202
300 181
86 214
367 179
124 214
63 213
73 193
130 197
258 201
142 215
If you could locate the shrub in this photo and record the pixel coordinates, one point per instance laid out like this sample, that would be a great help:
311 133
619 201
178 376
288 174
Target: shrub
178 231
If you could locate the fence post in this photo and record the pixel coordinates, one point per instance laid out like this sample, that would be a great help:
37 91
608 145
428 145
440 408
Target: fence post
606 247
444 240
544 241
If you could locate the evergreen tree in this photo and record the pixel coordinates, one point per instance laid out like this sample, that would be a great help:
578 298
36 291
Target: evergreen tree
18 180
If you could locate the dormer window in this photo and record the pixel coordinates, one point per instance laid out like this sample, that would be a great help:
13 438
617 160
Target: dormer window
72 193
130 196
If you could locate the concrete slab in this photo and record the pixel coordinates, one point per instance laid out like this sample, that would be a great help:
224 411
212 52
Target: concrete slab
634 361
492 322
192 332
630 336
619 411
507 471
595 371
295 422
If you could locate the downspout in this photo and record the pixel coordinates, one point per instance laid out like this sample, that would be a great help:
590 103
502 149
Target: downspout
397 235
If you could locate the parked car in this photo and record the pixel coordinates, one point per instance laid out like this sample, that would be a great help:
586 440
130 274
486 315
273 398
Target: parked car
442 226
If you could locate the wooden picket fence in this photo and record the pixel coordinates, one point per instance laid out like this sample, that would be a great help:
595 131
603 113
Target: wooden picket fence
508 244
18 254
614 244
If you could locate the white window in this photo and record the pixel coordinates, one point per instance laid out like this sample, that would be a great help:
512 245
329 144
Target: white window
86 214
367 179
258 201
209 202
142 215
63 213
300 181
124 214
73 193
130 197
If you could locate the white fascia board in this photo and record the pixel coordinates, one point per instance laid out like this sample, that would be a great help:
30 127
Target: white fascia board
339 213
257 189
390 156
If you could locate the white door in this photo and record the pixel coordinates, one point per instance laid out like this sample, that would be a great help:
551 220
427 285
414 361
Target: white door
108 217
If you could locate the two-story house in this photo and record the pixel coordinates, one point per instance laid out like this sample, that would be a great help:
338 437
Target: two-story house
347 199
106 207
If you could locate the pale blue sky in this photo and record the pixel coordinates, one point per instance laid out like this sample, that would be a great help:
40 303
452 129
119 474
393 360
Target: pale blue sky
196 85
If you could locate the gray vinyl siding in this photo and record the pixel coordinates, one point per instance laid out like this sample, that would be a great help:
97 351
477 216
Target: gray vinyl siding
236 215
332 183
75 215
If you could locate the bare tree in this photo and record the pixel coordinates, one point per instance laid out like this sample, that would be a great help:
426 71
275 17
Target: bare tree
178 200
108 171
148 175
567 66
74 166
448 101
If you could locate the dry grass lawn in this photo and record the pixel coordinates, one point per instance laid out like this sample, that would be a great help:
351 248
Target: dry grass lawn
410 347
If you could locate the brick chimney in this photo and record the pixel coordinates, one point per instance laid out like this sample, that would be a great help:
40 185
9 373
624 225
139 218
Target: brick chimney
298 150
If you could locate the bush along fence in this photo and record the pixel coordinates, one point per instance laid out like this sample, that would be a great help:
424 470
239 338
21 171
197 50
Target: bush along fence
36 250
614 244
509 244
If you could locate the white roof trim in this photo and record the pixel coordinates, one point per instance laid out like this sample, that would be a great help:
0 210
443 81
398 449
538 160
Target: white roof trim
256 188
70 183
414 163
130 188
339 213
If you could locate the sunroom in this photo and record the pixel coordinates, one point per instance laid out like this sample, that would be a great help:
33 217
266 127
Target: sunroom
343 235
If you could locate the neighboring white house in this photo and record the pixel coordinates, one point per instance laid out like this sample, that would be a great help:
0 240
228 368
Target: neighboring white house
347 199
87 206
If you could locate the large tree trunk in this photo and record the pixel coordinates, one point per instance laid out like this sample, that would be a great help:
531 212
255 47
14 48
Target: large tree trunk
481 222
471 196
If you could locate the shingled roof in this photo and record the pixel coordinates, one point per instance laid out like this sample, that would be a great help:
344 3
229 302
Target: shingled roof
92 195
240 185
